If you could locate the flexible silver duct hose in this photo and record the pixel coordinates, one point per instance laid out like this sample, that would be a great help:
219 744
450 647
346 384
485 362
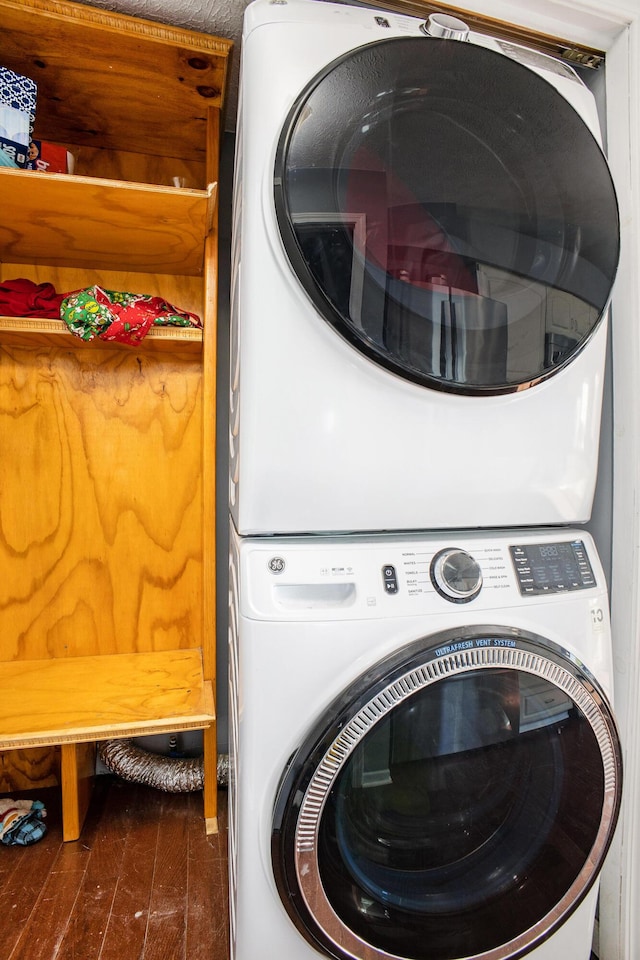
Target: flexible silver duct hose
171 774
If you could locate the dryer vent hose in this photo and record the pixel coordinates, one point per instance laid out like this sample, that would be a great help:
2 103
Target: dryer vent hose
171 774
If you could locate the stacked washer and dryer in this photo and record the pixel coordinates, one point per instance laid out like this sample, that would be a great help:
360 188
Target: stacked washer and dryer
424 762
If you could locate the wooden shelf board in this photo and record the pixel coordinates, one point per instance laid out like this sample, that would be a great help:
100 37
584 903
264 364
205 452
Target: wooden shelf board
32 332
81 699
66 220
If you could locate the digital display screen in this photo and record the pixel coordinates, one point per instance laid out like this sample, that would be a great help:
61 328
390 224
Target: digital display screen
552 567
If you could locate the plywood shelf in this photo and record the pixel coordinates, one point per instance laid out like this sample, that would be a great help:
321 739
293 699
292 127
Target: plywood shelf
65 220
83 699
33 332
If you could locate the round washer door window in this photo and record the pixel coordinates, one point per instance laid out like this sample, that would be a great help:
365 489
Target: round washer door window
449 213
458 801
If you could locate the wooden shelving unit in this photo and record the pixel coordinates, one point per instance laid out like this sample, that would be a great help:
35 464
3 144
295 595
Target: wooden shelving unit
107 463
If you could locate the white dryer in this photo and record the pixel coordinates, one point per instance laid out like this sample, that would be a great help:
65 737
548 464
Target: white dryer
425 240
423 762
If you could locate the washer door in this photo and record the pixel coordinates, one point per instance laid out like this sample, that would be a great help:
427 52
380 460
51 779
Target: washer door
457 801
449 213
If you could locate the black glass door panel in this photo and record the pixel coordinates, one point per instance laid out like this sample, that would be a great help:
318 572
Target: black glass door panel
448 212
451 806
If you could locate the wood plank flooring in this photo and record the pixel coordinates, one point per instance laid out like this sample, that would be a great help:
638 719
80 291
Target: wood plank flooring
143 882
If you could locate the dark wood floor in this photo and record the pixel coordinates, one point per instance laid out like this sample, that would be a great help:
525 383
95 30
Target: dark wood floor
144 882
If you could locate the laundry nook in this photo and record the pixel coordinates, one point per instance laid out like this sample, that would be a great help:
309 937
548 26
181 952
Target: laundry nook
319 480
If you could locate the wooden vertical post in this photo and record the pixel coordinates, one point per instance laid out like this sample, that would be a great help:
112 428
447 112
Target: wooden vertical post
209 359
77 766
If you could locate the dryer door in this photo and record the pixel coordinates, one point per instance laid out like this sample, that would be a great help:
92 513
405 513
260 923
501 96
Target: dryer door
457 801
449 213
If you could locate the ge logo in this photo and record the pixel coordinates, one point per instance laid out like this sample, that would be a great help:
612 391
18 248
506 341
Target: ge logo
276 564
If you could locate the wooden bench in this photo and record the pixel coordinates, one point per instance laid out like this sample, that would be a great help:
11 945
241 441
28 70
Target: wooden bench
75 701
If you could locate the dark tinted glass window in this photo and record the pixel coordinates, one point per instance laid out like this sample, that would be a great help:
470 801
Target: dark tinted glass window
479 797
448 212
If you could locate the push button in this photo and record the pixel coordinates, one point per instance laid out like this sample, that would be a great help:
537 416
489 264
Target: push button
390 579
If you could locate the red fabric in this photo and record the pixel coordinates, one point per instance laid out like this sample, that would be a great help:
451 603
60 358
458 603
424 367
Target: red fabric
132 321
24 298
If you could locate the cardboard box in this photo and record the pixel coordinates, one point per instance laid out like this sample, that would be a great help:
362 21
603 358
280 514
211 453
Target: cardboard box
18 96
14 135
47 157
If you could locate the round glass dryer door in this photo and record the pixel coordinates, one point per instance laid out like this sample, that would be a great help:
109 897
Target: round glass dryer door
458 801
449 213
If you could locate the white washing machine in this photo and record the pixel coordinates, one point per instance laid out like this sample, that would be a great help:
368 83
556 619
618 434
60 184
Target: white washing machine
423 762
425 240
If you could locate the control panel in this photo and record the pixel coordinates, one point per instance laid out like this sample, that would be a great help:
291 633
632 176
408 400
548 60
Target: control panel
543 568
355 577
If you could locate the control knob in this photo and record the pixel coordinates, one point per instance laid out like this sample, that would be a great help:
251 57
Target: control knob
456 575
446 27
